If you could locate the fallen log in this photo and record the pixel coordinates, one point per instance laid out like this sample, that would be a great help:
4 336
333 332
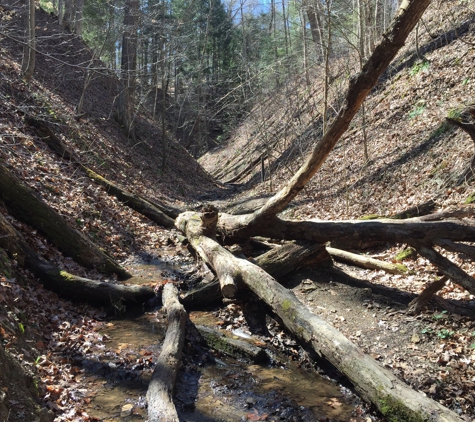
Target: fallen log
278 262
366 261
245 171
466 122
51 139
25 204
160 389
68 285
448 268
283 260
387 230
158 213
135 202
467 211
204 246
447 244
416 211
246 205
394 399
234 347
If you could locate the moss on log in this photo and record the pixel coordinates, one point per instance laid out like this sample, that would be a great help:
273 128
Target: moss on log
406 253
238 349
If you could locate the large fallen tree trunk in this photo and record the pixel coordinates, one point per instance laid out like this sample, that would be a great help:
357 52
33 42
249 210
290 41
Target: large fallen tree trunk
388 230
160 389
278 262
65 284
206 226
25 204
391 396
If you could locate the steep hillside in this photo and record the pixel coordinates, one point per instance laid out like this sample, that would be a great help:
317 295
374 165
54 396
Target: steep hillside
32 320
414 155
93 135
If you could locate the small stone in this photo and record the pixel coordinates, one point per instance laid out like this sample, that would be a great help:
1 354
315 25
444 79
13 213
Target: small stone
126 410
415 338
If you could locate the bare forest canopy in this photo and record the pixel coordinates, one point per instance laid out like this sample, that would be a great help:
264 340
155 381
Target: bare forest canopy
320 126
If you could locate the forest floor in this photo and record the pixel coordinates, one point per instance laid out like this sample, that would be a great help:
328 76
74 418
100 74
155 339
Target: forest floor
51 338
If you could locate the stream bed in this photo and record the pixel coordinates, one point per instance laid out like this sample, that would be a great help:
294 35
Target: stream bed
210 386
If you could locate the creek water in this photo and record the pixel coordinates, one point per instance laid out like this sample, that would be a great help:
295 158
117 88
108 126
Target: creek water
209 387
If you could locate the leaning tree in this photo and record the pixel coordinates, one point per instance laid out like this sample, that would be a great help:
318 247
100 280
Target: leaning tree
391 396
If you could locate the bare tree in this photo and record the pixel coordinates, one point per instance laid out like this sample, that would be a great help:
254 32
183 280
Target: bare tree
126 97
29 56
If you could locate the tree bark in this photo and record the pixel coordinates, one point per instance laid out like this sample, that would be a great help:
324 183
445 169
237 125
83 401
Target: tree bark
392 397
447 244
25 204
68 285
135 202
29 53
160 389
416 306
448 268
199 228
278 262
387 230
126 97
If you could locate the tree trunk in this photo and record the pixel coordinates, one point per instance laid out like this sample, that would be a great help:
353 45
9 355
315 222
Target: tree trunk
29 53
359 87
412 230
366 261
238 349
25 204
135 202
392 397
448 268
278 262
160 389
158 213
68 285
207 248
126 97
416 306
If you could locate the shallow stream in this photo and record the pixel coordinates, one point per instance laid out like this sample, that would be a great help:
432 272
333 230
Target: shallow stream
210 387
